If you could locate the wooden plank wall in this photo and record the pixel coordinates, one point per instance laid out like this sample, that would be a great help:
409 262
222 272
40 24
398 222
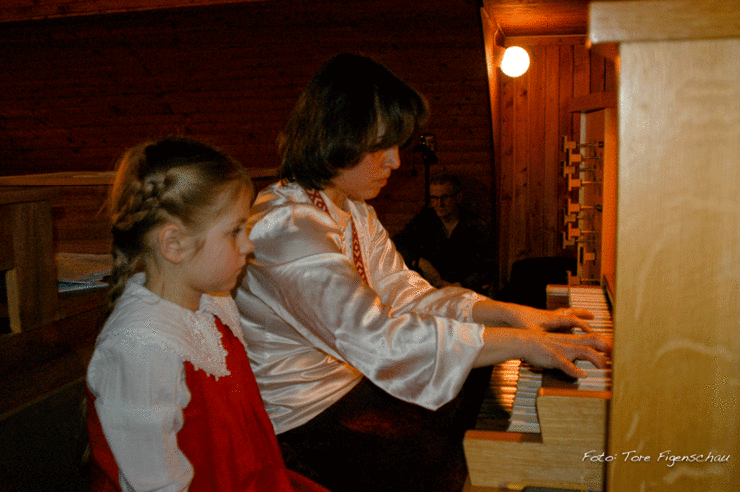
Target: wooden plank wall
534 114
75 91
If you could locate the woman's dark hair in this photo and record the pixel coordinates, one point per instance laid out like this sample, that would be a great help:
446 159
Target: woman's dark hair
352 106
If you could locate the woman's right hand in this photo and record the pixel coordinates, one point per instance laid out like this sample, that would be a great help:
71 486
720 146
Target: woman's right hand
544 349
561 350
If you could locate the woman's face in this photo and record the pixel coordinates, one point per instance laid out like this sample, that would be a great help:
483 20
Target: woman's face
365 180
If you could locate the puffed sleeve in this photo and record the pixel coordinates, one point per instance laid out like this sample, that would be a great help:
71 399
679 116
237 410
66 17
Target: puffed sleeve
140 393
400 342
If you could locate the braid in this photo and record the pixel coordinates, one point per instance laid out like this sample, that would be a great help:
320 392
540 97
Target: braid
142 201
122 270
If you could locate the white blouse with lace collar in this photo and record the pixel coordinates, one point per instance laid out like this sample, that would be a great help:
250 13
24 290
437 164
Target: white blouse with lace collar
137 376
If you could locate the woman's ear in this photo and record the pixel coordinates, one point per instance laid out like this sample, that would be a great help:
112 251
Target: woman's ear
172 242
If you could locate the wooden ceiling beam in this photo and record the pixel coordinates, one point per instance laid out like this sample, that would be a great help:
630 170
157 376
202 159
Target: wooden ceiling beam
545 40
539 17
23 10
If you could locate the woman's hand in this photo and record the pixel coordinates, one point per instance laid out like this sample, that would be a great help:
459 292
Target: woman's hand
560 351
543 349
560 320
497 313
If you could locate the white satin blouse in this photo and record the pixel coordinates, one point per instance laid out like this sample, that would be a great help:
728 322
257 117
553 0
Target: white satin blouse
314 327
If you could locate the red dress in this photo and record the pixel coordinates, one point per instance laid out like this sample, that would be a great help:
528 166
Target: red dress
227 435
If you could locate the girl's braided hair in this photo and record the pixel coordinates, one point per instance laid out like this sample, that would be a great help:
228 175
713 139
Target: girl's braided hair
163 180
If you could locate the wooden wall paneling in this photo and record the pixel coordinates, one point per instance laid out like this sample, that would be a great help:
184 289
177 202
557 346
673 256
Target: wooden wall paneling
560 69
611 75
76 91
506 201
581 81
598 72
520 169
551 246
565 129
19 10
537 176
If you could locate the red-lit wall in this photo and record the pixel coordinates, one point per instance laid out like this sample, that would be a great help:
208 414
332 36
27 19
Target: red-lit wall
75 91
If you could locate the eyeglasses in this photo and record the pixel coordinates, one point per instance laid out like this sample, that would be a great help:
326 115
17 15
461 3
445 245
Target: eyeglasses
442 198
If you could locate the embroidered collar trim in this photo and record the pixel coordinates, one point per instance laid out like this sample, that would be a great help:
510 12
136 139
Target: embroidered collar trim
318 200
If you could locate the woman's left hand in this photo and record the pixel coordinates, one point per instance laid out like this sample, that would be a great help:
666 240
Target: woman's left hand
557 320
498 313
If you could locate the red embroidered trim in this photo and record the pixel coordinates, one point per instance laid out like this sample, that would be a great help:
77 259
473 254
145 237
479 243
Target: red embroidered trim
318 200
357 253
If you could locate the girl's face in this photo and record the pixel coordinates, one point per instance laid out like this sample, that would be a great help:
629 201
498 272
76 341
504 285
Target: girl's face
222 251
365 180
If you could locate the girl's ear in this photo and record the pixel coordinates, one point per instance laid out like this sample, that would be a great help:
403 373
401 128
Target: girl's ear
172 242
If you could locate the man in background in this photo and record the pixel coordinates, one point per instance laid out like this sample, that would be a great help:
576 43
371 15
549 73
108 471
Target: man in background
447 243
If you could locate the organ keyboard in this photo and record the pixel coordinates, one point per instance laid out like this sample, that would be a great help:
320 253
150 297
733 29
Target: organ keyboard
555 425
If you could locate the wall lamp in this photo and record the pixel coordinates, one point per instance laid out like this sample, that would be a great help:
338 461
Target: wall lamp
515 61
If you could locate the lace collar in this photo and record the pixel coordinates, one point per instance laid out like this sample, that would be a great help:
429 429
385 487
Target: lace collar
193 335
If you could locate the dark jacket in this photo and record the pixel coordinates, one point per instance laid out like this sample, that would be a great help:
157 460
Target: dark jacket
467 256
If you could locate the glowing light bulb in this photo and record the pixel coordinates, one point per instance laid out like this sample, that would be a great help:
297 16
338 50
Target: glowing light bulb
515 61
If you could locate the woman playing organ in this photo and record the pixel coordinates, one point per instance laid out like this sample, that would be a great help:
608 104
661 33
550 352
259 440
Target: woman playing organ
360 360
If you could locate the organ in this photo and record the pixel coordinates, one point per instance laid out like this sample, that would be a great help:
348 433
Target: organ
676 358
556 430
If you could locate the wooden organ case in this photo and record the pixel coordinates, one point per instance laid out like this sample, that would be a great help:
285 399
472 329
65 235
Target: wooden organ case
675 404
673 420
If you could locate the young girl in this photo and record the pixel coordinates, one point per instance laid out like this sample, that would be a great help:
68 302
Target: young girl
172 401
